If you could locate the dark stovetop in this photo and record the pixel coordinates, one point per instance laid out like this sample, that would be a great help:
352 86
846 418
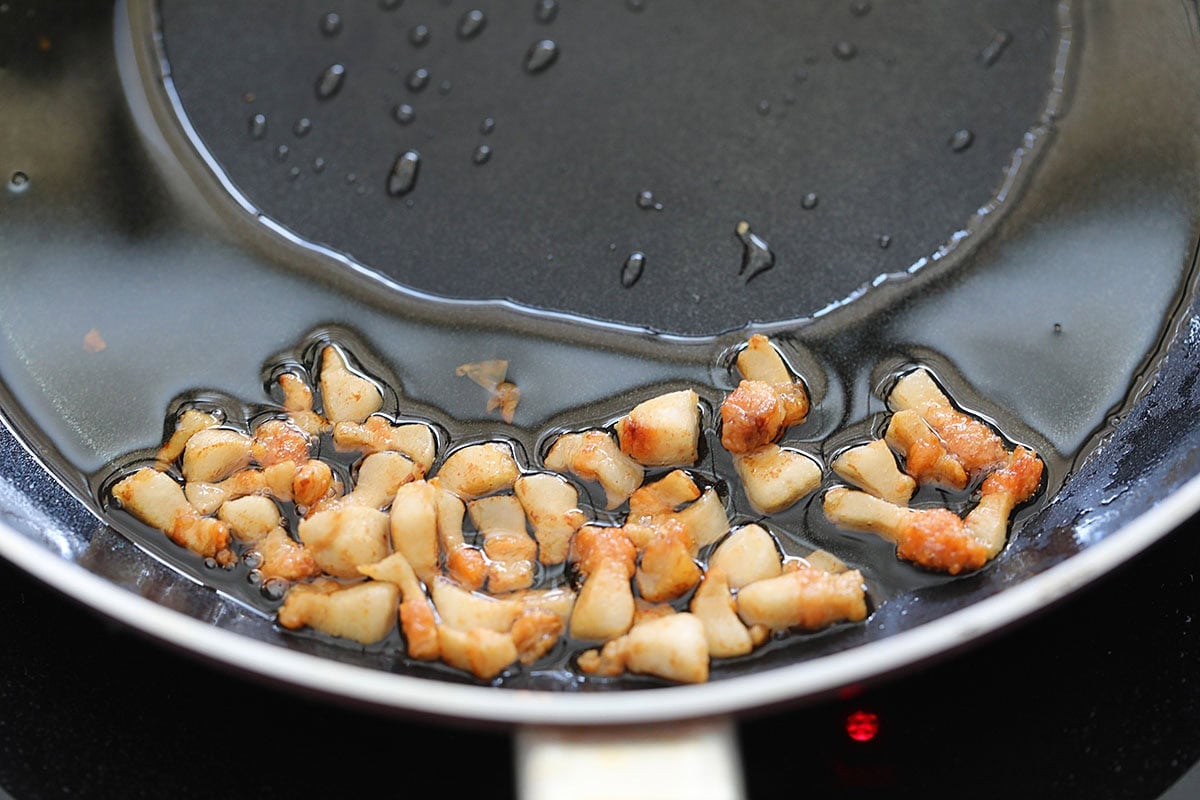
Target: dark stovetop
1097 698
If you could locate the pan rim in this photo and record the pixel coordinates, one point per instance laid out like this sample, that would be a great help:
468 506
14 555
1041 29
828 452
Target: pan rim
806 680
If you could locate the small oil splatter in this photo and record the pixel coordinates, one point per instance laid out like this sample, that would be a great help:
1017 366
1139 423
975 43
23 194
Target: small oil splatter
541 54
845 50
258 126
331 24
991 52
330 81
487 126
418 35
757 257
631 270
404 114
482 154
471 24
302 127
403 177
418 79
646 201
544 11
809 201
961 140
885 241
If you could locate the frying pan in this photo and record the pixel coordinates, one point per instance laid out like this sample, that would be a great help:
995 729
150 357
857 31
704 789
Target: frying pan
1044 269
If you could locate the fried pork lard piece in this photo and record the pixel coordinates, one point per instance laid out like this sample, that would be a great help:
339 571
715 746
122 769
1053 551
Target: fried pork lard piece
766 403
552 505
250 518
478 470
535 633
704 520
663 431
417 619
464 563
156 499
925 457
312 483
760 361
284 558
511 552
970 441
413 523
298 403
594 456
604 608
345 395
667 570
215 453
377 434
775 478
674 647
748 555
713 605
342 538
937 538
380 476
466 610
807 598
190 422
872 467
276 441
483 653
363 612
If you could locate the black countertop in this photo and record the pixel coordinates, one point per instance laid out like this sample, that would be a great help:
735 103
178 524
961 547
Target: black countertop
1098 697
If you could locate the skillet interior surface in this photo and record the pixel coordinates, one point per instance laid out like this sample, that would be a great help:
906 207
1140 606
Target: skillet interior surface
1046 317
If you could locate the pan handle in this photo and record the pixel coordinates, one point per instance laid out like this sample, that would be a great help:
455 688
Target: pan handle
690 760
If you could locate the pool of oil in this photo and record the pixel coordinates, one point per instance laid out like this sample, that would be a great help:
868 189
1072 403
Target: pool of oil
1044 320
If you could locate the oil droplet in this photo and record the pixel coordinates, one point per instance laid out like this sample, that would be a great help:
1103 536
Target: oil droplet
252 559
389 5
764 107
860 8
961 140
885 242
809 201
636 6
254 577
757 256
281 152
444 87
258 126
991 53
248 97
403 176
540 55
482 154
471 24
404 114
293 173
418 79
1057 328
419 35
632 269
302 126
545 11
331 24
274 588
645 200
487 126
318 164
845 50
330 81
351 177
19 182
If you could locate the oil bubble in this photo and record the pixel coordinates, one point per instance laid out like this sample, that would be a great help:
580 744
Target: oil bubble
845 51
809 201
418 79
482 154
404 114
961 140
302 127
418 35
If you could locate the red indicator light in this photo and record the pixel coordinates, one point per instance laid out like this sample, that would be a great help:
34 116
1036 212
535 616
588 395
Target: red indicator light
862 726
